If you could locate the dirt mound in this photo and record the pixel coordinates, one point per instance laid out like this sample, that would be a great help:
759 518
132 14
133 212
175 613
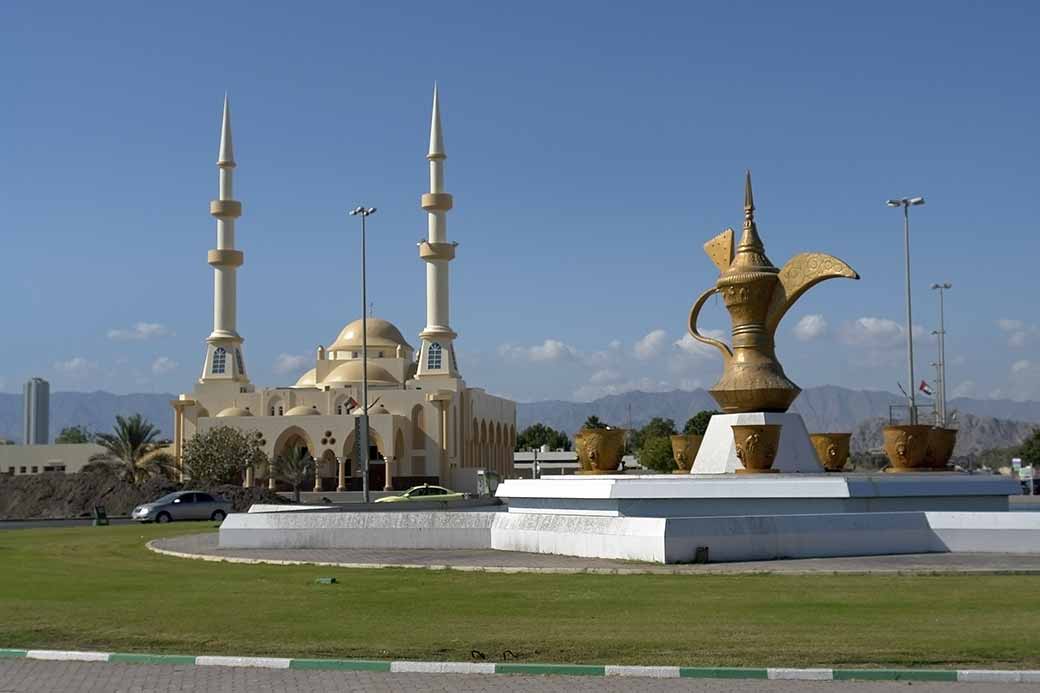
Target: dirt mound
75 495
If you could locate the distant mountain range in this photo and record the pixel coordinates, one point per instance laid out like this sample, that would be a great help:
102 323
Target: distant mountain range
95 410
984 423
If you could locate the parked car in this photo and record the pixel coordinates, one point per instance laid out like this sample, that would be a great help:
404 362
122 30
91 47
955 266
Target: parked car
183 505
424 493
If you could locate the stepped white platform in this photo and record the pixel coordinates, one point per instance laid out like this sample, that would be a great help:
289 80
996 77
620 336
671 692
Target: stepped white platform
666 519
695 495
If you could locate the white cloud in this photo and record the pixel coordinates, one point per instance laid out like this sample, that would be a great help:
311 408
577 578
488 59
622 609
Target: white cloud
651 345
688 346
964 389
548 351
589 392
872 332
607 375
1009 325
810 327
1017 340
163 365
139 332
290 363
1020 366
76 367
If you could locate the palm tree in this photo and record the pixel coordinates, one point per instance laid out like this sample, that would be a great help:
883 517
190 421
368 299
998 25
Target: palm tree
133 450
594 422
293 467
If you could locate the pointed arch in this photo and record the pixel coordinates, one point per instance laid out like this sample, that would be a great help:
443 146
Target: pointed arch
418 427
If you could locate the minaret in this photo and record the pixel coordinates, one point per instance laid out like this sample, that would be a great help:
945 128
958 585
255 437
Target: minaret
224 362
437 352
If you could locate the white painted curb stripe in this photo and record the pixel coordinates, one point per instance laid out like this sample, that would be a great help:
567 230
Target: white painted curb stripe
67 655
261 662
984 676
800 674
644 672
442 667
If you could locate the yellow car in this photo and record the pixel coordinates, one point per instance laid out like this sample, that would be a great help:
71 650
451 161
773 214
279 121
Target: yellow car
423 493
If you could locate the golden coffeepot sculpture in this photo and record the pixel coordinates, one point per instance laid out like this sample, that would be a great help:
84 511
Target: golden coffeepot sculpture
757 294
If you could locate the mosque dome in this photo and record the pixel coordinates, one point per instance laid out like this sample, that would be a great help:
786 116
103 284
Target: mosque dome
380 334
308 379
351 372
234 411
303 410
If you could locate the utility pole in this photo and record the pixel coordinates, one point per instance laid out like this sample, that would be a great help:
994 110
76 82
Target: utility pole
942 288
364 213
906 203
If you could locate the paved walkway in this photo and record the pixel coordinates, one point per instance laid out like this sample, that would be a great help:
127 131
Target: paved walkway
23 676
205 546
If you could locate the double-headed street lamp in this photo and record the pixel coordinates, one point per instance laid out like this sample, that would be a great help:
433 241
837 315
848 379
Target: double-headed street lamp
906 203
364 213
941 288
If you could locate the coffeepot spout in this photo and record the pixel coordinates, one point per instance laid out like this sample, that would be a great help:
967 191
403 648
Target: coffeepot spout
801 273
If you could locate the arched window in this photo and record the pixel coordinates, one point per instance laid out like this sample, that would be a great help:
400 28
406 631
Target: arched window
219 360
433 360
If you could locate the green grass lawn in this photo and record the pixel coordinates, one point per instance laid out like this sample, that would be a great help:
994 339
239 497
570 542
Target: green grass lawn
99 588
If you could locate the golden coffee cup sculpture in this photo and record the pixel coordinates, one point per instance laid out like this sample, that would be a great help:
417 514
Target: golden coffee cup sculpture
757 294
757 445
600 450
684 451
832 449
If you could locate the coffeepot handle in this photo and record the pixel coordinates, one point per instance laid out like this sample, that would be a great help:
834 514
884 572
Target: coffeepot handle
727 353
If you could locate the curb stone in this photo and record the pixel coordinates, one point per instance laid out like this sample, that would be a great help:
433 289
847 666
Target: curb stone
485 668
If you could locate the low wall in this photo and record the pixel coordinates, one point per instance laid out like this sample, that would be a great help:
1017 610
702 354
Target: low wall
352 530
656 540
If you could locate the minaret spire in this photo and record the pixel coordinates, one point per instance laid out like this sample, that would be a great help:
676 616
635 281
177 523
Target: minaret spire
224 361
436 134
437 353
226 157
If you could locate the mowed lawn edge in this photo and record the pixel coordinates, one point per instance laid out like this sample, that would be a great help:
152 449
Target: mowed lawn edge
99 588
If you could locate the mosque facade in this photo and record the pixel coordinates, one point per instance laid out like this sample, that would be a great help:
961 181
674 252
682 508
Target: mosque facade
424 421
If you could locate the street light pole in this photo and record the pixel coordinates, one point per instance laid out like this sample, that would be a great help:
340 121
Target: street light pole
906 203
941 288
364 213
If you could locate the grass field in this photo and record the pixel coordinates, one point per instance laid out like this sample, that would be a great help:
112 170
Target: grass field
99 588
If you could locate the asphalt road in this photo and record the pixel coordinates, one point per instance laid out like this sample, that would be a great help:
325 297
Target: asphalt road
23 675
38 524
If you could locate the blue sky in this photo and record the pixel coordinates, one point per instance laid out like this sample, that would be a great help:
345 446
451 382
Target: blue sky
592 150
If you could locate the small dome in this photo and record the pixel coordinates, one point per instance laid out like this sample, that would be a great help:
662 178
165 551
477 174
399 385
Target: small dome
234 411
380 334
308 379
303 410
379 409
351 372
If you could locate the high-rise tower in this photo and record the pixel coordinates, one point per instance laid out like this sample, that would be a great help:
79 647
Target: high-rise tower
224 362
37 412
437 352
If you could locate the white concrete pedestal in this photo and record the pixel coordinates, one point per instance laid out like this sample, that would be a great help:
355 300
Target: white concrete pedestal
718 453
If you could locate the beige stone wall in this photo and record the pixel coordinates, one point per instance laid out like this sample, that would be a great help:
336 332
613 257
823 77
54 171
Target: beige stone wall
35 459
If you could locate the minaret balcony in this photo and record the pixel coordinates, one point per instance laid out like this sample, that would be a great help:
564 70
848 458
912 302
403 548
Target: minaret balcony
436 251
226 209
225 258
436 202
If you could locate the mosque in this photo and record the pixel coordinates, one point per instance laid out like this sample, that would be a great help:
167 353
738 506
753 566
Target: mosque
424 421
